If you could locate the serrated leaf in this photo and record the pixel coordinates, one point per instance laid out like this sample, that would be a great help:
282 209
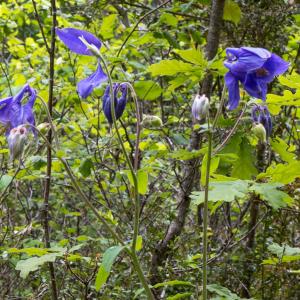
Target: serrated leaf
170 67
108 259
283 173
282 148
222 191
232 12
193 56
269 192
243 167
108 26
147 90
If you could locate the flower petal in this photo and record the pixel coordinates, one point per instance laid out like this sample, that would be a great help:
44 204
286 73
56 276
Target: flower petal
4 110
87 85
233 89
248 59
121 102
261 52
70 37
275 65
255 87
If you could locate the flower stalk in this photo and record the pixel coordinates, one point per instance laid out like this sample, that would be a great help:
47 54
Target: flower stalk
206 193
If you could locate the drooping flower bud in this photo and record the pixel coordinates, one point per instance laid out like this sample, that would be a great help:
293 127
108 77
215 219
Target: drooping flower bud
260 132
150 121
119 102
16 141
261 115
200 107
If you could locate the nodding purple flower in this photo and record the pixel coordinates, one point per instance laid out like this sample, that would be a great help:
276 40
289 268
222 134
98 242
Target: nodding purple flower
120 102
261 115
254 68
13 113
15 116
83 43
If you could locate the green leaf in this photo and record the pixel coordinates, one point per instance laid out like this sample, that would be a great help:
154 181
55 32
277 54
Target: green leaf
142 177
105 267
269 192
38 162
139 243
85 167
193 56
107 28
283 250
283 173
172 283
232 12
222 291
213 167
5 181
32 264
243 167
29 251
147 90
180 296
281 147
183 154
222 191
170 67
288 98
168 19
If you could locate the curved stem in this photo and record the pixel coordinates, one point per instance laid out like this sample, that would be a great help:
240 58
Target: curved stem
133 171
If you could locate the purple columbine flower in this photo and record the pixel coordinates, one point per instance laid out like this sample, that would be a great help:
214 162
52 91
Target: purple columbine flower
13 113
83 43
261 115
120 102
254 68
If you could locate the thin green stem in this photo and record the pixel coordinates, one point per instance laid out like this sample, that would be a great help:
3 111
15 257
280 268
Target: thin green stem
205 215
206 193
133 171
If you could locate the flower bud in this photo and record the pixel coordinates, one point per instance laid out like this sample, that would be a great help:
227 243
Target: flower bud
200 107
16 141
260 132
43 127
150 121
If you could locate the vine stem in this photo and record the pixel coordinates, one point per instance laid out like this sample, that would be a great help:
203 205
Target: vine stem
133 172
206 193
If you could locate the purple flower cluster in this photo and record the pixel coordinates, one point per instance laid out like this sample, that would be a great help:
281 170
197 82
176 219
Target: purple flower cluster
13 113
85 43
